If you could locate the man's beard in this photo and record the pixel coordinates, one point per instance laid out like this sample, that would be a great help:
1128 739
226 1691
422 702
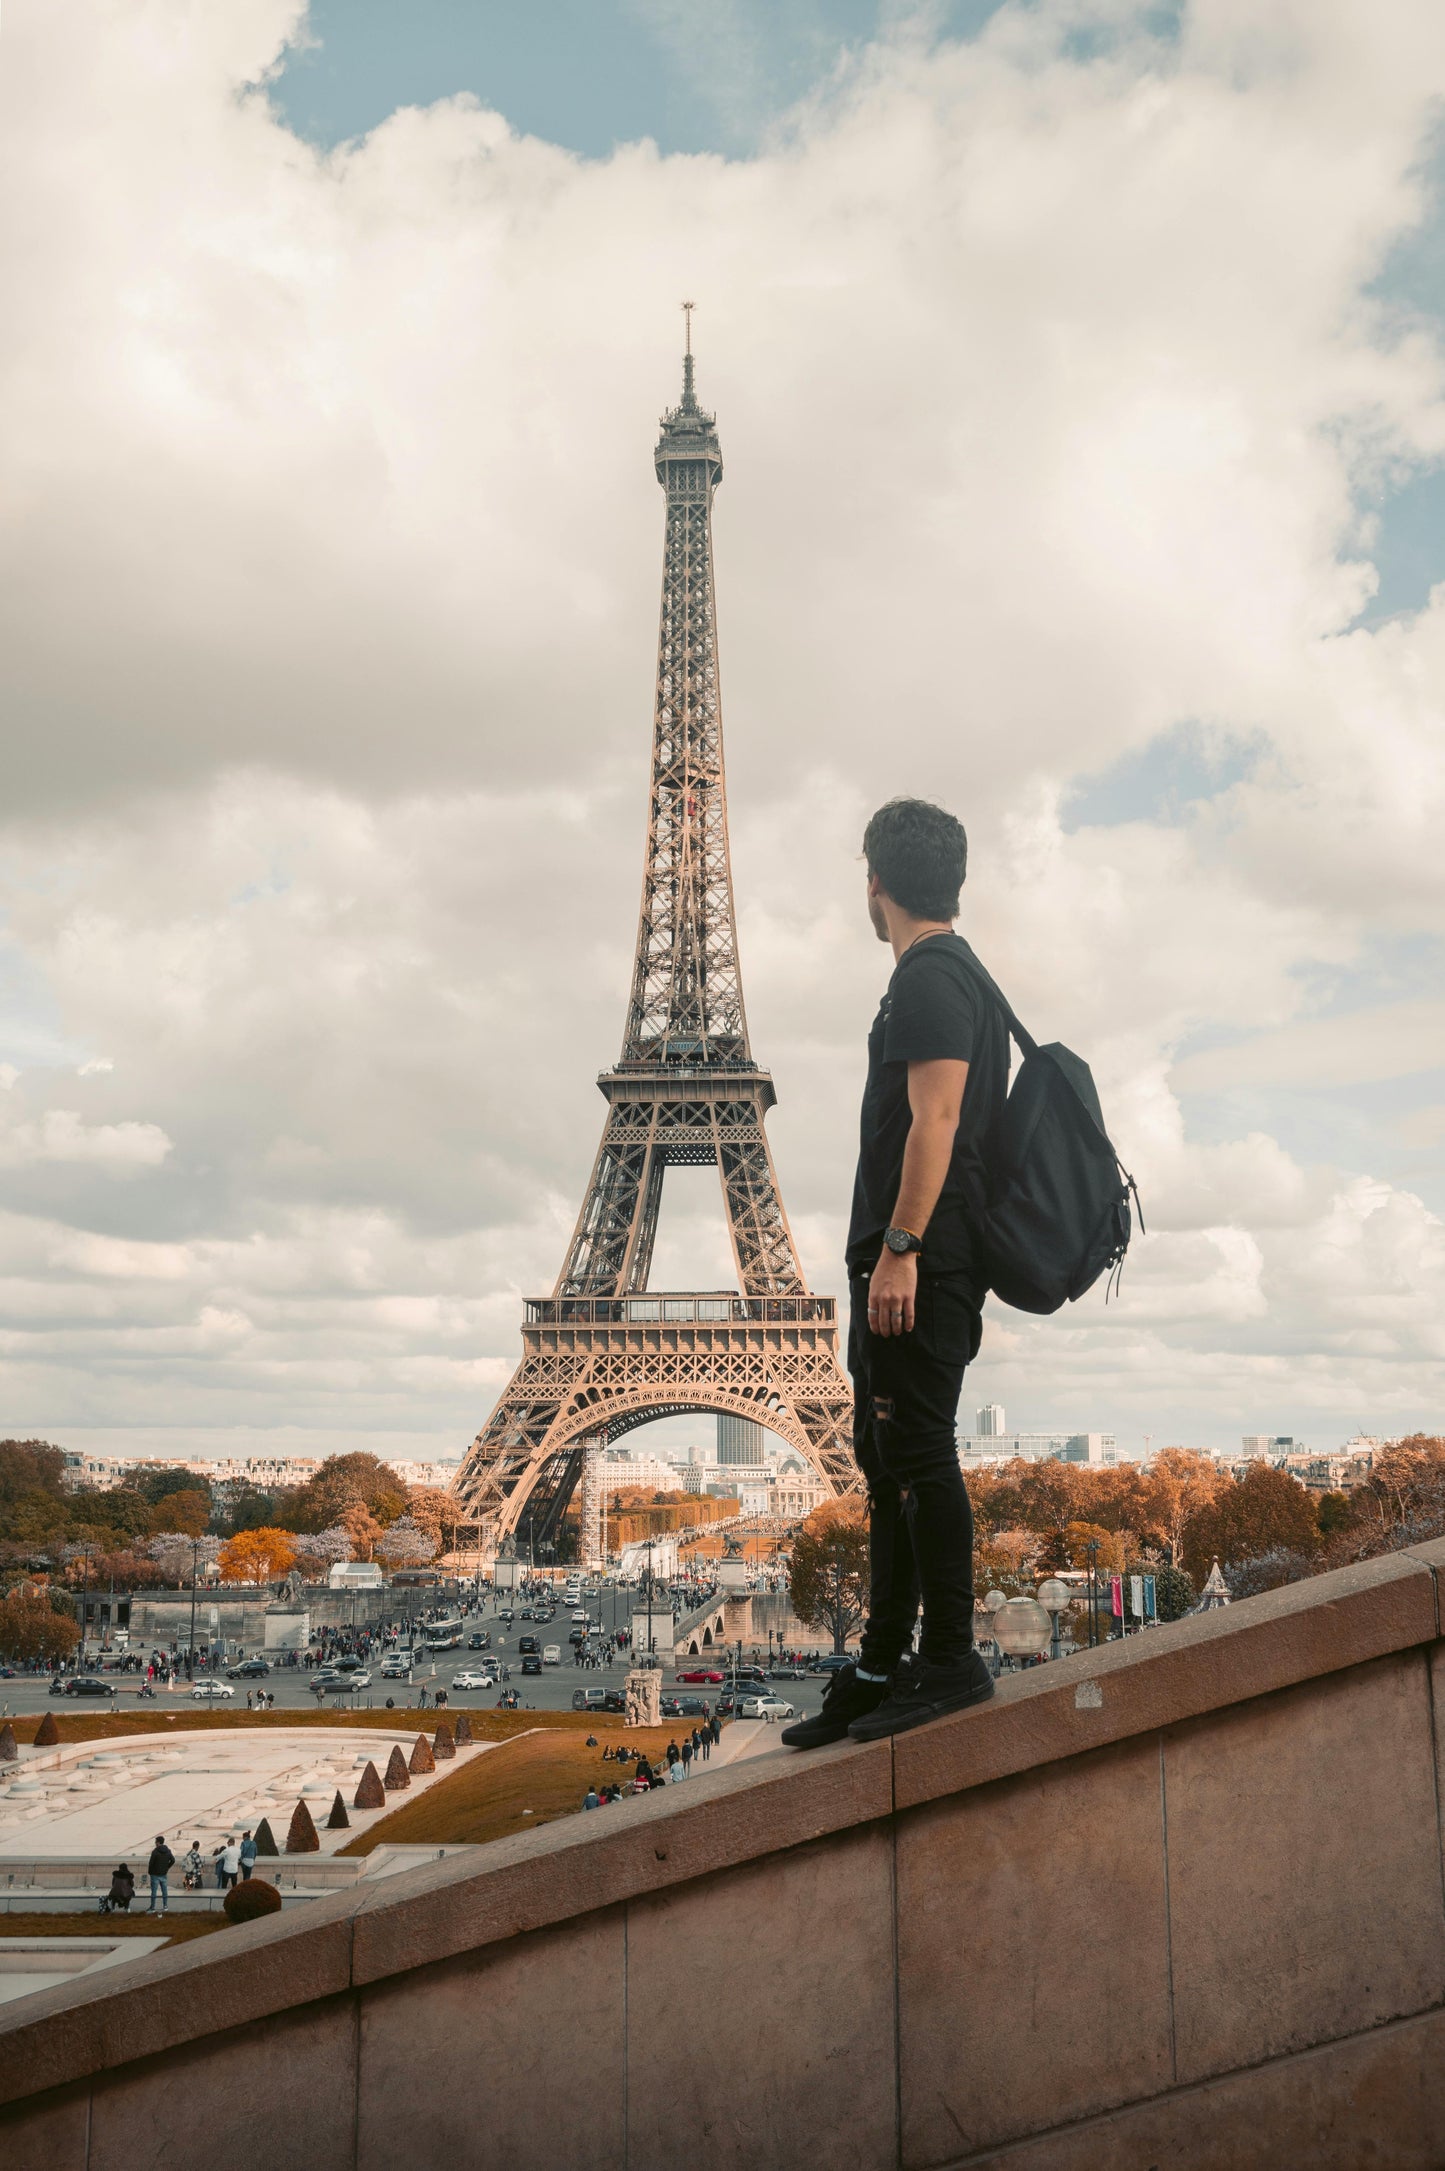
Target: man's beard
880 924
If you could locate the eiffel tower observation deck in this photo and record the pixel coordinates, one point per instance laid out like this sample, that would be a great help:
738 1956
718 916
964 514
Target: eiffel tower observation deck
604 1352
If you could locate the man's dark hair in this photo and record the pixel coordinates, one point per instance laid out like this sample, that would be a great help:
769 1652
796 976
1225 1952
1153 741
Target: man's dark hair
920 855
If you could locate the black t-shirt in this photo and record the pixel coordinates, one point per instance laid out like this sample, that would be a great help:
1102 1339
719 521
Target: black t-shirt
934 1010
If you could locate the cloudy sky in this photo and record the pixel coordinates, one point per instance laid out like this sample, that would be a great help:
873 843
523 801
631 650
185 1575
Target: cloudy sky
1080 375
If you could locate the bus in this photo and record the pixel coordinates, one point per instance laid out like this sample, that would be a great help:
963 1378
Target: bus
440 1635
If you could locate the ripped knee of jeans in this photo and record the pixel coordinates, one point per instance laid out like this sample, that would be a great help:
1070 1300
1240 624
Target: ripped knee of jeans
883 1409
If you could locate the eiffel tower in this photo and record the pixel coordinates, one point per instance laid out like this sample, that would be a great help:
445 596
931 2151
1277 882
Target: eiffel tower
604 1353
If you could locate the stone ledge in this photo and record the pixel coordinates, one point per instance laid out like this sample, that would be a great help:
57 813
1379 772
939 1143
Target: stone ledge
1192 1667
579 1866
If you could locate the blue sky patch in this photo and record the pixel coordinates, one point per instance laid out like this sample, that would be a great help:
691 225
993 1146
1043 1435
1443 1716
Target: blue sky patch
1160 782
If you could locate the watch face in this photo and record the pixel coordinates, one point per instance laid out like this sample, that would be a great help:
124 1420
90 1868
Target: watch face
896 1240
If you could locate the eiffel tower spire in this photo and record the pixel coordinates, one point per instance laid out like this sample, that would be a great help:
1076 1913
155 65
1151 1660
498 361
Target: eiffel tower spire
600 1355
687 1002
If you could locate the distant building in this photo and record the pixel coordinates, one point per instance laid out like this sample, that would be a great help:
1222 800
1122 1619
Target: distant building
354 1575
1092 1447
989 1421
1270 1444
739 1440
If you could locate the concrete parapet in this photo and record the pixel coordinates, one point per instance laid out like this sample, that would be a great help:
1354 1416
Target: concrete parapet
1176 1902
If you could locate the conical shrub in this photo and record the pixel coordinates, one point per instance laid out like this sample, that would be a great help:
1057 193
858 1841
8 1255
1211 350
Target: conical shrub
266 1838
397 1774
442 1743
302 1837
47 1733
464 1732
9 1748
421 1756
370 1793
338 1821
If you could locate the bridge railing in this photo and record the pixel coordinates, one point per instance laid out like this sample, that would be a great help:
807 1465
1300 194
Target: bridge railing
702 1310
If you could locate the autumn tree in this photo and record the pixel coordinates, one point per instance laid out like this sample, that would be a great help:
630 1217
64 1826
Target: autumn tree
828 1578
437 1512
257 1556
344 1482
33 1627
188 1509
1265 1511
1178 1484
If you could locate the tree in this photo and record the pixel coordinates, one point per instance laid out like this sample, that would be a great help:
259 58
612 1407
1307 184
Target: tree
361 1527
32 1627
330 1546
186 1509
402 1545
342 1482
1177 1484
257 1556
435 1511
1264 1511
829 1574
178 1556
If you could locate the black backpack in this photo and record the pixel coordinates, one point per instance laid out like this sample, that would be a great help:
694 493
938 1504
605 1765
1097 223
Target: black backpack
1058 1208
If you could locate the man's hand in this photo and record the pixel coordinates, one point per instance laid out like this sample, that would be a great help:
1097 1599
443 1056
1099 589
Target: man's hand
891 1292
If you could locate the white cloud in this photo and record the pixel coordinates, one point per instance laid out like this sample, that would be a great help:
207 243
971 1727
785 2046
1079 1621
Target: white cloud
1046 385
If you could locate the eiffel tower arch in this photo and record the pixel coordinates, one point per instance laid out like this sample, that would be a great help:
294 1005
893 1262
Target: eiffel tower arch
604 1352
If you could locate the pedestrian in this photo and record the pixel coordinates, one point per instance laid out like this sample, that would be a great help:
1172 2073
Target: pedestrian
590 1800
158 1869
230 1863
938 1063
676 1773
248 1856
122 1891
686 1753
193 1869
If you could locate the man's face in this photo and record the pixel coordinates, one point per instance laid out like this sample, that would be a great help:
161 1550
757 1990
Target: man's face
875 910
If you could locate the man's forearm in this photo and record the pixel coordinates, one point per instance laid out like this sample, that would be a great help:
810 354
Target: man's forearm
926 1155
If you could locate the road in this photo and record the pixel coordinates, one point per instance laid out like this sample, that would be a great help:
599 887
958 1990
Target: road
552 1690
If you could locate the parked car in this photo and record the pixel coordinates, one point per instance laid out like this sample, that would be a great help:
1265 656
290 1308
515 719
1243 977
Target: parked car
250 1669
211 1692
682 1707
766 1707
589 1699
85 1684
551 1654
702 1673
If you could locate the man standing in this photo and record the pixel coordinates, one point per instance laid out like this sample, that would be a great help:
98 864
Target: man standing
937 1082
158 1870
248 1855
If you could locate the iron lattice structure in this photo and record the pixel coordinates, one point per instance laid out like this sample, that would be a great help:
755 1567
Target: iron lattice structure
602 1354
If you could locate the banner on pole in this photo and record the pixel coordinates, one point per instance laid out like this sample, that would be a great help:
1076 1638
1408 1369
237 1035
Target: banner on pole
1136 1596
1151 1605
1116 1596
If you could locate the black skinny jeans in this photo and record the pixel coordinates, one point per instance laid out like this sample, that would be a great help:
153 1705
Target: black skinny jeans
905 1413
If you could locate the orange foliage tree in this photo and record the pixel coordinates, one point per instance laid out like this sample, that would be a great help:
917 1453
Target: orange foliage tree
257 1556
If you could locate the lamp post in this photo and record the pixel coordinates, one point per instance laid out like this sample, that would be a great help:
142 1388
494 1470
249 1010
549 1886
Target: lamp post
1021 1628
1053 1596
1092 1549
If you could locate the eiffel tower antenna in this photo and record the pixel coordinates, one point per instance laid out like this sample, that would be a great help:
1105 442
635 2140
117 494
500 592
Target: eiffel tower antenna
603 1353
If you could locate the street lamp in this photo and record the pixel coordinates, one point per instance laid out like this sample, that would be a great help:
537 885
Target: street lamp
1092 1549
1021 1628
1053 1595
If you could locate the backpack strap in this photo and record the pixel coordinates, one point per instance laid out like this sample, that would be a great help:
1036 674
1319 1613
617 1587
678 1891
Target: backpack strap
1027 1044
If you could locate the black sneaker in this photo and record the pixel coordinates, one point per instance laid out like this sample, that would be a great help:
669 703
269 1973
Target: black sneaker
919 1692
845 1700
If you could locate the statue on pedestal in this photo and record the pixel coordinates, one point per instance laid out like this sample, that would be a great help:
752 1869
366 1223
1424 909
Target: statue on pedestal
642 1697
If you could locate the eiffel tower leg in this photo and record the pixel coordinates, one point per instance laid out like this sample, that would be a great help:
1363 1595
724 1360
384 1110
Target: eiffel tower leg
762 1242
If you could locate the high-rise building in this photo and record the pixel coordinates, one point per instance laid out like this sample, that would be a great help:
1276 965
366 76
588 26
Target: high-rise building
739 1439
990 1420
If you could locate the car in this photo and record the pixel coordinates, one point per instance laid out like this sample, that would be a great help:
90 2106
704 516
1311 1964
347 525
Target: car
787 1673
528 1646
250 1669
532 1663
475 1677
577 1635
702 1673
834 1662
506 1614
209 1692
682 1707
396 1668
589 1699
479 1641
579 1615
361 1679
86 1684
765 1707
551 1654
526 1613
350 1665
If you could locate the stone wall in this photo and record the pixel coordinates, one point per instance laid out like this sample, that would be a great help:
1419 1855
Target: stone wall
1172 1903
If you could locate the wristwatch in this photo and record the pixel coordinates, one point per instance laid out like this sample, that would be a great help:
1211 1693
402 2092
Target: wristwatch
901 1240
